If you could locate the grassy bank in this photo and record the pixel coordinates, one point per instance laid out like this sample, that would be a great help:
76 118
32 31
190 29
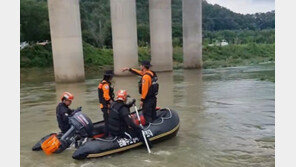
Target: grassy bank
234 55
213 56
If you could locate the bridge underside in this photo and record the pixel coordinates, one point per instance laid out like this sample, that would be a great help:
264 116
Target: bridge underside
65 28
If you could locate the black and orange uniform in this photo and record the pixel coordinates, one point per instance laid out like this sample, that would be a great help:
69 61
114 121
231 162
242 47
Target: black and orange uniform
148 96
106 94
119 119
121 123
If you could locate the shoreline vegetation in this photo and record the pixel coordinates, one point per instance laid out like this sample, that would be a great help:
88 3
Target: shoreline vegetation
229 39
213 56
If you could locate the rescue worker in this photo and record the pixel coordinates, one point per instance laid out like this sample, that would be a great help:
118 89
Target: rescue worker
120 122
148 88
106 96
63 111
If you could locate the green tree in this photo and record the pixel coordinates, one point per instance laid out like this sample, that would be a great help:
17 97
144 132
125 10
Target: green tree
34 20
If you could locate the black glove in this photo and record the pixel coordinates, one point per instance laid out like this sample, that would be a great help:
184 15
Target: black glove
75 111
133 101
130 104
79 109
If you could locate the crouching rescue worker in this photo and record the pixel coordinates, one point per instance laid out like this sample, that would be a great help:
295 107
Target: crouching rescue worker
148 88
120 122
106 96
63 111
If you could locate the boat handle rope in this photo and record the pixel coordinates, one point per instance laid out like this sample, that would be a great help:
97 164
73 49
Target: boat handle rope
162 120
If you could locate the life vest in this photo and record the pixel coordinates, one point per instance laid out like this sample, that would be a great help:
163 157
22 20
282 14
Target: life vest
153 89
101 93
115 122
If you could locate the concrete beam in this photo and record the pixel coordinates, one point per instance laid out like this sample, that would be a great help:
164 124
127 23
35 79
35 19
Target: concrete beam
124 34
65 31
160 18
192 33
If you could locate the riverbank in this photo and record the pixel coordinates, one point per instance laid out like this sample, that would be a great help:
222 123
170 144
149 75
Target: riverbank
213 56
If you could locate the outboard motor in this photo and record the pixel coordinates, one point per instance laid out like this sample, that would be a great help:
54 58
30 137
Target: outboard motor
82 124
81 127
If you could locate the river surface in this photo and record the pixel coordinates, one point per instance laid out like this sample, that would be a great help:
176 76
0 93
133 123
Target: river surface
226 118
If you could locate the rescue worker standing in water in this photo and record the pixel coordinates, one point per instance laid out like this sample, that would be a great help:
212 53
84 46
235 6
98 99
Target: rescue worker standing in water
63 111
106 96
148 88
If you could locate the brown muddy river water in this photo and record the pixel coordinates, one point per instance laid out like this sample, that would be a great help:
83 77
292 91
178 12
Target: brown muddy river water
226 118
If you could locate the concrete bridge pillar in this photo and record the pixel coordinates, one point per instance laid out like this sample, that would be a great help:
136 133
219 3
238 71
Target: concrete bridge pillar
65 31
160 19
192 33
124 34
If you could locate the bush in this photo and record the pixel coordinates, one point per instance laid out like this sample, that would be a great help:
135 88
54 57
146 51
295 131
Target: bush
144 53
213 56
41 56
36 56
235 55
97 57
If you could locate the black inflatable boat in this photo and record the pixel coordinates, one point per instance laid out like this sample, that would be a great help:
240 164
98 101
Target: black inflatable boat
165 126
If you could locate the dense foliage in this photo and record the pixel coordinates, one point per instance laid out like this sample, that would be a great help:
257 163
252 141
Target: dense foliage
251 38
36 56
235 55
216 17
231 55
96 23
266 36
213 56
34 21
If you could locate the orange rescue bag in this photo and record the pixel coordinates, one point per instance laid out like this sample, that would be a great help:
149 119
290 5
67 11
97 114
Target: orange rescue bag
51 144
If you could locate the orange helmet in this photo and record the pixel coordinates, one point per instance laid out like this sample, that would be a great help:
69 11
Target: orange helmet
121 95
67 95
